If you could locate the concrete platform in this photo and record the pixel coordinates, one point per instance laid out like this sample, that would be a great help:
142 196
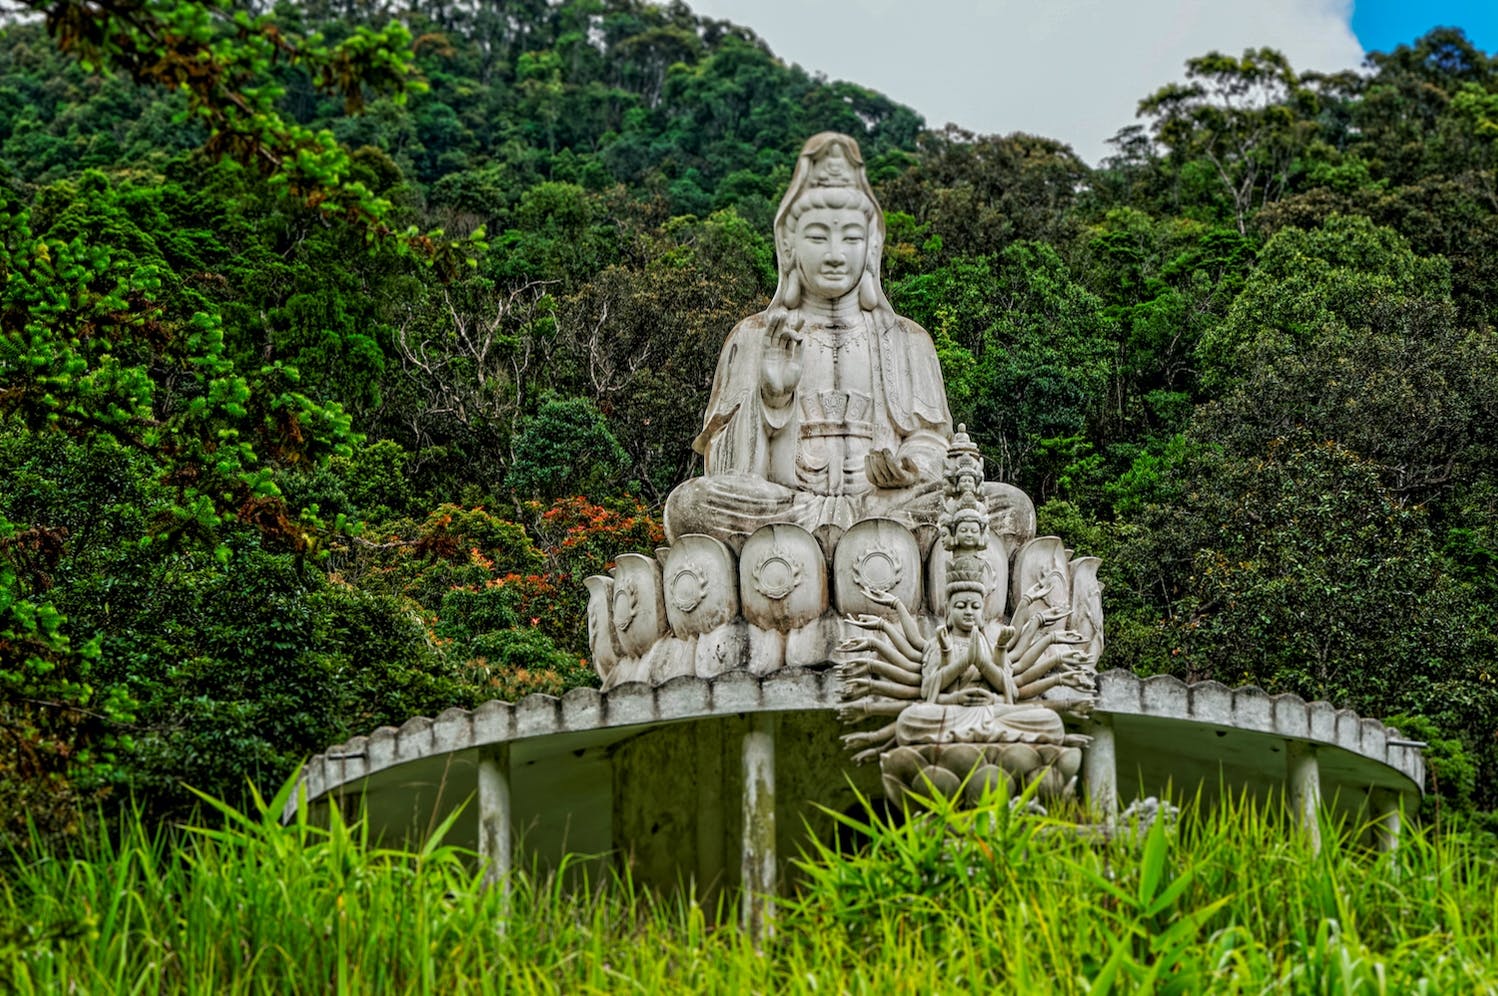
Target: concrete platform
657 776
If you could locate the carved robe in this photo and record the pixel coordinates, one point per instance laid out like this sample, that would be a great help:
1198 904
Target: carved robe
872 384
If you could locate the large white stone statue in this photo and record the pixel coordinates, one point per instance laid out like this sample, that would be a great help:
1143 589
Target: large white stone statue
827 407
830 468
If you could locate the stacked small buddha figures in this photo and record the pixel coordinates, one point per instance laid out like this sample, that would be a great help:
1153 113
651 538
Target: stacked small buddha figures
979 701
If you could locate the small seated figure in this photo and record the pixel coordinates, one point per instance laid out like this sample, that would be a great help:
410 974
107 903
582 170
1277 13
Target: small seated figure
954 687
957 687
827 407
969 689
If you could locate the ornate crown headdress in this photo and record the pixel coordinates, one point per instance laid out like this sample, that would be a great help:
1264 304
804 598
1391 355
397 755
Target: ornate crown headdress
967 572
964 503
832 169
963 461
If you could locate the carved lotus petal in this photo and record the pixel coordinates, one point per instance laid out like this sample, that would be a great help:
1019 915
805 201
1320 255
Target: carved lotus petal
879 556
902 763
961 759
639 609
1041 559
782 577
701 584
602 646
986 780
1087 605
1019 759
932 781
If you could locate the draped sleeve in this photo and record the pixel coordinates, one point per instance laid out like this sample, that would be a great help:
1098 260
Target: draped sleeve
732 440
914 395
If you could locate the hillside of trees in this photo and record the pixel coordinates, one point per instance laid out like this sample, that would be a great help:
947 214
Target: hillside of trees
339 341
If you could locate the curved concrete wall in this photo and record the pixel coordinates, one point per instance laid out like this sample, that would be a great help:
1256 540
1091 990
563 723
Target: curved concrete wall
1125 698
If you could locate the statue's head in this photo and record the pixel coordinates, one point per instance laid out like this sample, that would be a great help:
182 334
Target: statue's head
967 532
964 523
829 231
965 592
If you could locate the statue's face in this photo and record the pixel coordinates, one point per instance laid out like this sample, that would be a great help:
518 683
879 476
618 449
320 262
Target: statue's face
964 610
968 534
831 246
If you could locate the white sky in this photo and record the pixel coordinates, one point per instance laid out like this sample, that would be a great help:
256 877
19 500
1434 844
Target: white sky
1073 70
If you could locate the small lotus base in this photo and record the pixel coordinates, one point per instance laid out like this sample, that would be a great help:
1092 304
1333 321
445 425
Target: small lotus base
968 772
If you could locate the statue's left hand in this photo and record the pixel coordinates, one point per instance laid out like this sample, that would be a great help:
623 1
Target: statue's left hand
885 470
1060 612
1039 589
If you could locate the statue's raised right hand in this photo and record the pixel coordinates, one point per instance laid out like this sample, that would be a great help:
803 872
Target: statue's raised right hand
782 359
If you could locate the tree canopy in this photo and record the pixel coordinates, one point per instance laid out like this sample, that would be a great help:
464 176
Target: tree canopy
339 342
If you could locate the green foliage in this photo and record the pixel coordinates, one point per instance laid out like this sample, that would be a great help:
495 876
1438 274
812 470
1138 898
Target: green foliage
1310 290
1453 770
1299 571
565 448
995 899
270 480
1023 346
220 58
1243 122
512 663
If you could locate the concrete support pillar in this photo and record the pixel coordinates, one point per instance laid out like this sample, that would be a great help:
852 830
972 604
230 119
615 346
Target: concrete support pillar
1303 775
1100 771
757 876
1388 814
496 847
710 826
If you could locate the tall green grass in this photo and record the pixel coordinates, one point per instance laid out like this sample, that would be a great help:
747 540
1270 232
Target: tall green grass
1229 900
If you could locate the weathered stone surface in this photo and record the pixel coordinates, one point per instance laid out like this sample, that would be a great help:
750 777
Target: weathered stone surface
603 642
582 709
724 649
537 714
877 556
637 606
827 408
701 585
812 645
1369 760
782 578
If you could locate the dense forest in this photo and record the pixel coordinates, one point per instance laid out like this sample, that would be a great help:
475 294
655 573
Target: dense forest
339 341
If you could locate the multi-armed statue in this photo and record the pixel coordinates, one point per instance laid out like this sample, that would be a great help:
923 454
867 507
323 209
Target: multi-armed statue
830 469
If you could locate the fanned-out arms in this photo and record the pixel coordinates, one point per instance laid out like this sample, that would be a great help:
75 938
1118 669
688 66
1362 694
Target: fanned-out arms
908 626
874 667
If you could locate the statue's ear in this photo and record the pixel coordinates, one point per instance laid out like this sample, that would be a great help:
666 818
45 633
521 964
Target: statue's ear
868 291
792 297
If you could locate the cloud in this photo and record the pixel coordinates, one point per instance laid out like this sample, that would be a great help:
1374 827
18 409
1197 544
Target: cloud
1074 70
